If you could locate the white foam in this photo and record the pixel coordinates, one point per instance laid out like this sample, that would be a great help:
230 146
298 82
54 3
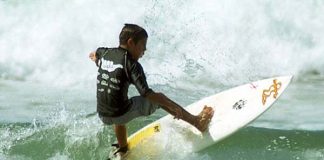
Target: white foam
216 42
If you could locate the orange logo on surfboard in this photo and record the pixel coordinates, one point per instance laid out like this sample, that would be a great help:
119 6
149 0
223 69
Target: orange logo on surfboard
272 89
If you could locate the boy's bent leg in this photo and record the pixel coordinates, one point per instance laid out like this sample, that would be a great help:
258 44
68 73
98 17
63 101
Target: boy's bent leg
139 107
121 135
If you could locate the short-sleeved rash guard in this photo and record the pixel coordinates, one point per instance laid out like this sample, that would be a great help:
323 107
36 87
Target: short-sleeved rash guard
117 70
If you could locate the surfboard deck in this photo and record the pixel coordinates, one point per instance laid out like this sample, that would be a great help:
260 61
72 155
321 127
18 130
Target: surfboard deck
234 109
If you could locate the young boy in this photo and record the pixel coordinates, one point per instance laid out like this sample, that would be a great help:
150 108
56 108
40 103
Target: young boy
118 68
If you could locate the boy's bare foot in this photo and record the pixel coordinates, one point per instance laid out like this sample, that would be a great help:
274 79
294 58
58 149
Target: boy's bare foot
204 118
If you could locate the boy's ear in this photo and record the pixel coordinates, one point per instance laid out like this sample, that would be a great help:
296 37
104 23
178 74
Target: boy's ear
130 42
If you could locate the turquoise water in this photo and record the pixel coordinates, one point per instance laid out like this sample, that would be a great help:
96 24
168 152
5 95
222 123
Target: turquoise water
55 123
195 49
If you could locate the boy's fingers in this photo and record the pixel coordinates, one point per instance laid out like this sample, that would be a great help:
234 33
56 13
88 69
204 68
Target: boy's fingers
92 56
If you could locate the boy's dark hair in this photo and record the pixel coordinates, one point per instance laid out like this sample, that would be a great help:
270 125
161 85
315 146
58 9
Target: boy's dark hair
132 31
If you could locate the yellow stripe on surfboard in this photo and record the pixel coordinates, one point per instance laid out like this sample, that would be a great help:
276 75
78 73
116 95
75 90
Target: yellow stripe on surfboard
140 136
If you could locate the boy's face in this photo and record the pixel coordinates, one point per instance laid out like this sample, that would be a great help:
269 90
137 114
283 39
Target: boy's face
137 50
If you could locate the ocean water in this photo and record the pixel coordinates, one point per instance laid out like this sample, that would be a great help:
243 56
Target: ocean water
195 49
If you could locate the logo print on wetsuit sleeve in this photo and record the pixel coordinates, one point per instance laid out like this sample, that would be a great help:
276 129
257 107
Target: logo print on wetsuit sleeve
109 65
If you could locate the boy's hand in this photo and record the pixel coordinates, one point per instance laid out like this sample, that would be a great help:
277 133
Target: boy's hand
92 56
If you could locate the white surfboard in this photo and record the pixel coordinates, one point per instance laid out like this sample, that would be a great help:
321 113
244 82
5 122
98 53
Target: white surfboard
234 109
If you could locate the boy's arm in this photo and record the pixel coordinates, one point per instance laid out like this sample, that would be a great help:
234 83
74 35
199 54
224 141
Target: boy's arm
139 80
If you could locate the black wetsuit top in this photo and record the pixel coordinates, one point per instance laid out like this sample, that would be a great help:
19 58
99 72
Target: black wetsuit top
117 70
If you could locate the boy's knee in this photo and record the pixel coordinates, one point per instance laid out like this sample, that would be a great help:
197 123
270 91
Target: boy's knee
149 109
